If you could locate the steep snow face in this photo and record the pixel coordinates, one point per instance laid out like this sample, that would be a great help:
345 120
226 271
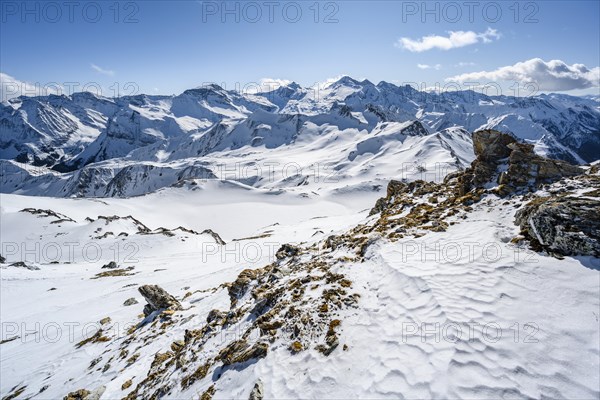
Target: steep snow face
350 127
45 130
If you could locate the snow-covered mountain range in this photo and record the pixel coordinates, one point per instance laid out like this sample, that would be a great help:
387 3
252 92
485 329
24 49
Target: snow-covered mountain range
347 132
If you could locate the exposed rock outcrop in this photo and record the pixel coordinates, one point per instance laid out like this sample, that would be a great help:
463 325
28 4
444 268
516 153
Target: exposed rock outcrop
239 287
490 145
158 299
48 213
21 264
563 225
287 250
560 223
84 394
81 394
129 302
502 159
257 392
525 165
215 236
215 315
110 265
240 352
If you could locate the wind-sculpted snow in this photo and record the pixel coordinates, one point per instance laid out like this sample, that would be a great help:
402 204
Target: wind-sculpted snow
352 125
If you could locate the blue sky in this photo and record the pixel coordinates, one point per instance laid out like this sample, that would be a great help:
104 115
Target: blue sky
168 46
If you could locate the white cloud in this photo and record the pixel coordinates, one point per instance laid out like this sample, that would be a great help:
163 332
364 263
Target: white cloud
11 87
454 40
102 70
554 75
463 64
437 67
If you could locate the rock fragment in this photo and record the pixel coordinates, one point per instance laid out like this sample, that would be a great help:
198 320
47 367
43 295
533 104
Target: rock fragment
158 299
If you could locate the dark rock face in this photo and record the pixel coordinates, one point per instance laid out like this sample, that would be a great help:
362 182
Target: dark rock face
214 315
239 287
415 129
564 225
158 299
525 167
490 145
110 265
240 352
501 158
21 264
215 236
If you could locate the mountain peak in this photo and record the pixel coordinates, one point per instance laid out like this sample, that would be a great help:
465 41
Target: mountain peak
293 85
345 80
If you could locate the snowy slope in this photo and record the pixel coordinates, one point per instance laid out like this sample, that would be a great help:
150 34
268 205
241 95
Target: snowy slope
455 314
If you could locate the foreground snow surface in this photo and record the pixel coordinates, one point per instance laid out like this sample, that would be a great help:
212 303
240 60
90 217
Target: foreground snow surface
455 314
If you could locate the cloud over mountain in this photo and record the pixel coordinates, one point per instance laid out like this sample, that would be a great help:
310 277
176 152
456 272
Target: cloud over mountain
553 75
11 87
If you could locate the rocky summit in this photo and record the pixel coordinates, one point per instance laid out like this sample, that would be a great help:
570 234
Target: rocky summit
502 159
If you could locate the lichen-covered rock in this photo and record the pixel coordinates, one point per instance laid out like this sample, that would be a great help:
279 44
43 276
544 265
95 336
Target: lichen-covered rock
287 250
502 159
158 299
525 168
240 352
395 187
491 145
563 225
129 302
215 315
81 394
239 287
380 206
